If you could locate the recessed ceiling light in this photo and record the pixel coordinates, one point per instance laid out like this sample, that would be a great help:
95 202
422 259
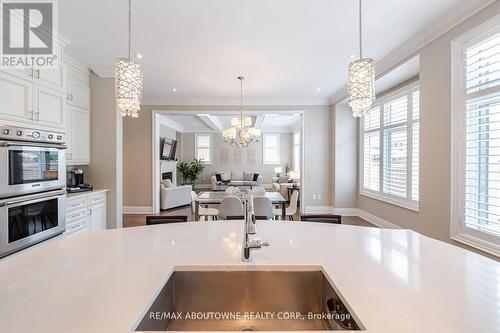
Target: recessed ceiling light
352 56
318 89
138 56
174 89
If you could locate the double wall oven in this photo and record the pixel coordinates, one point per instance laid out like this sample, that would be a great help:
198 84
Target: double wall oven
32 182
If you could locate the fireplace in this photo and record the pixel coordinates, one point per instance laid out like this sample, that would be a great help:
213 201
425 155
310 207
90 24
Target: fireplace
168 170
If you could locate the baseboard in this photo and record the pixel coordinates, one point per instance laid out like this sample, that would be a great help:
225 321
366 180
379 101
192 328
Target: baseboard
137 210
375 220
379 222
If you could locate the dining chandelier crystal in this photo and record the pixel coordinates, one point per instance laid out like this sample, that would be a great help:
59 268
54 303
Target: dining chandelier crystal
128 80
361 80
241 134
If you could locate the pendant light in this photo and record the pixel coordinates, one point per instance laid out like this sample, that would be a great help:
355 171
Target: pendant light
128 79
241 134
361 80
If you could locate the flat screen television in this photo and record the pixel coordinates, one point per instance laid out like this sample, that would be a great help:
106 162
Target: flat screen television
168 148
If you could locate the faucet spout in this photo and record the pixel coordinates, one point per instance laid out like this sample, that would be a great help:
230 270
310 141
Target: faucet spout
250 229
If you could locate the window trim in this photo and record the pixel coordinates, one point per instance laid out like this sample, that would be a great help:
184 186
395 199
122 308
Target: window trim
407 203
264 161
297 158
458 231
210 147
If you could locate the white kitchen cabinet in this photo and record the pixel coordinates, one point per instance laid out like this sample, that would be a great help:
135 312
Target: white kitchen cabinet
85 211
97 217
77 135
51 77
26 100
78 94
49 107
16 98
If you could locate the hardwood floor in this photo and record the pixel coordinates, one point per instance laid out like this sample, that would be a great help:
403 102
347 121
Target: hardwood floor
136 220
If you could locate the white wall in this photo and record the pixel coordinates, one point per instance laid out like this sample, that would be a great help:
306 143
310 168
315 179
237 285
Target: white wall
267 171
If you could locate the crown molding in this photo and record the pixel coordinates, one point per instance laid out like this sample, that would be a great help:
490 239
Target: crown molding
461 12
235 101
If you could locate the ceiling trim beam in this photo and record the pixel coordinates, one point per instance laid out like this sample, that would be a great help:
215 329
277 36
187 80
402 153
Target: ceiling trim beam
259 121
211 121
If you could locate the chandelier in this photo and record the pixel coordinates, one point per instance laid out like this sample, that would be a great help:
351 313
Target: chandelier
128 80
241 134
361 80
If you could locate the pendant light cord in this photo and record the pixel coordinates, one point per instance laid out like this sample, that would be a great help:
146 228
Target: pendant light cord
360 34
129 27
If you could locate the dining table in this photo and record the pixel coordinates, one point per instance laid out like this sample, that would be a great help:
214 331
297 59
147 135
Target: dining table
215 198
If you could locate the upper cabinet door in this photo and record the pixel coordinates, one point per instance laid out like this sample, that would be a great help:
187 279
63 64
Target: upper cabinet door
49 107
80 135
78 94
51 77
16 97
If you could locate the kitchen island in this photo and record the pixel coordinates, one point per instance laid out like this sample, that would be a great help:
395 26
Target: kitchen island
393 280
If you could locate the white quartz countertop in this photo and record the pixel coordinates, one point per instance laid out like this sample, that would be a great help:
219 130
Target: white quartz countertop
85 193
394 280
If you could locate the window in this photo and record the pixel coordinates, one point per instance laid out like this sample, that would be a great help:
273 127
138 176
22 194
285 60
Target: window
203 147
475 189
390 149
296 151
271 148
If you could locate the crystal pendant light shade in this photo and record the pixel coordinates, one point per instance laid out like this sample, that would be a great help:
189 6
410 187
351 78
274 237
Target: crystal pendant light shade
361 86
128 79
241 134
128 87
361 79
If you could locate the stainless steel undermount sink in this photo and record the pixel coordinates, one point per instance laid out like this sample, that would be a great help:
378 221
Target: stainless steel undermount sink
248 301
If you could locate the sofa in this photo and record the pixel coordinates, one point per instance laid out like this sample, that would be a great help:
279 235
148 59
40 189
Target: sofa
172 196
235 178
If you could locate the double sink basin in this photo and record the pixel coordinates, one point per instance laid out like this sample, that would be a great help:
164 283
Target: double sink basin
256 300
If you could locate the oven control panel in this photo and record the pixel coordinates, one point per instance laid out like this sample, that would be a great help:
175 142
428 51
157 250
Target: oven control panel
32 135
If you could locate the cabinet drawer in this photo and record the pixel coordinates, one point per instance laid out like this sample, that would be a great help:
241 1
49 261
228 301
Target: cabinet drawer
77 226
95 200
76 215
74 205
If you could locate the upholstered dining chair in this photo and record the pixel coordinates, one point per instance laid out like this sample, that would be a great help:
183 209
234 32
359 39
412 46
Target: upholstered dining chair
263 207
258 191
291 210
203 211
230 206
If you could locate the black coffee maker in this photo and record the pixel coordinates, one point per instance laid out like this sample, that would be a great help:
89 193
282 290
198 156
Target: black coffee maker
75 181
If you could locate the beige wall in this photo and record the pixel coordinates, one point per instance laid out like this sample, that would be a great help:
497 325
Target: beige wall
346 157
433 218
137 152
105 128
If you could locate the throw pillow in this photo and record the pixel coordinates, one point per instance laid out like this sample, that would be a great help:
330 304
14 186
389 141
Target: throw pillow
247 176
168 183
255 177
283 179
218 177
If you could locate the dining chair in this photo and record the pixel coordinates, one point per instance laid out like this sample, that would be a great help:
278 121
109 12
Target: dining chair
161 219
291 210
263 207
258 191
324 218
232 190
230 206
203 211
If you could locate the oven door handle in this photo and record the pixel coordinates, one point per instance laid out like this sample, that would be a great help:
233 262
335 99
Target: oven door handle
32 144
54 194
